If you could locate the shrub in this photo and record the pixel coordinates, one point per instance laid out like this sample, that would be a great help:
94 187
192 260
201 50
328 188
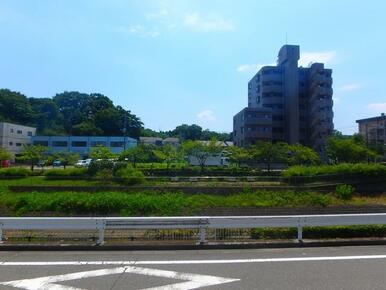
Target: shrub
344 191
104 174
130 175
209 171
363 169
66 172
96 166
18 172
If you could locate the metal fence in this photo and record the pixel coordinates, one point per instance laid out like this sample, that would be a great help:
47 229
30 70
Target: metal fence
198 227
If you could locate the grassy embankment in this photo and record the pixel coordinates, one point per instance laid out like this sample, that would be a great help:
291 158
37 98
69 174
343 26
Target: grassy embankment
162 204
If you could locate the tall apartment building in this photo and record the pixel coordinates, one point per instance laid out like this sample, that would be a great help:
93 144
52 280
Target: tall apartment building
13 136
287 103
373 129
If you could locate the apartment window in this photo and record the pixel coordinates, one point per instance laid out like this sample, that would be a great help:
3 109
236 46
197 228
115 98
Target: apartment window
11 130
97 143
59 143
41 143
117 144
242 130
79 144
10 143
18 144
29 133
19 132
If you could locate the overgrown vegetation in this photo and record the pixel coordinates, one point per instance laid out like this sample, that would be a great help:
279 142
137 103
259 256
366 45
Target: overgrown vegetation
344 191
150 204
15 171
321 232
79 172
363 169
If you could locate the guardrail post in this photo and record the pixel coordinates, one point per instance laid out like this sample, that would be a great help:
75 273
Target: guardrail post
300 234
301 223
1 234
202 235
101 232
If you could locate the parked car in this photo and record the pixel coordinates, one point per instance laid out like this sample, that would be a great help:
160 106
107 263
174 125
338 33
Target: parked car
83 163
57 163
41 163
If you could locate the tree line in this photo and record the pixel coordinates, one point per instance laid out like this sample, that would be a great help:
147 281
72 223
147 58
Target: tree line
339 149
75 113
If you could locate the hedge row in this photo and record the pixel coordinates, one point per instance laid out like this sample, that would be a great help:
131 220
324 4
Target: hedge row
347 169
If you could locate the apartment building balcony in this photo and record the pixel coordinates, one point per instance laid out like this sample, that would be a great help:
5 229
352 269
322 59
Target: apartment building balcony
258 134
271 88
320 79
257 121
317 91
273 100
321 117
321 103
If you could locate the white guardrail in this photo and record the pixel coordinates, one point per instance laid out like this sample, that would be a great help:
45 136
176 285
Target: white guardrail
202 223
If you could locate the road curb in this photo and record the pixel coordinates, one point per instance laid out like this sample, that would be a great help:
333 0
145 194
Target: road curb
209 246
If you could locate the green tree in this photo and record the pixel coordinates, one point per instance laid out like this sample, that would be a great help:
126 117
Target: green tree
168 154
66 158
101 152
202 150
348 150
135 154
187 132
32 154
4 155
302 155
238 155
15 107
268 153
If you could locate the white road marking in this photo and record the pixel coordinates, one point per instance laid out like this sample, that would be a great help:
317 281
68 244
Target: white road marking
48 282
190 262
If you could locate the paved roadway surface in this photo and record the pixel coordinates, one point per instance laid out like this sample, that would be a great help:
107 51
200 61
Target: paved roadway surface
296 268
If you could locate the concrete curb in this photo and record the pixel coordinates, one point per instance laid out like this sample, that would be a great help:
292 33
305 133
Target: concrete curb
209 246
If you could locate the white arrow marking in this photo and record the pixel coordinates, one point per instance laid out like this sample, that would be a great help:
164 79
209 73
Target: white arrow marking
48 282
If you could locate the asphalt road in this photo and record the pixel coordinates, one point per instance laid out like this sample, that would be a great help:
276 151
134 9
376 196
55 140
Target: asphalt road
296 268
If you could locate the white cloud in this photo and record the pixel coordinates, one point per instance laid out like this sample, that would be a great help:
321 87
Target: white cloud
206 116
198 23
336 100
350 87
325 57
163 13
251 67
377 107
139 30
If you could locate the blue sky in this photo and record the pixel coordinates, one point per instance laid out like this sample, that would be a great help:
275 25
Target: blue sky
173 62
